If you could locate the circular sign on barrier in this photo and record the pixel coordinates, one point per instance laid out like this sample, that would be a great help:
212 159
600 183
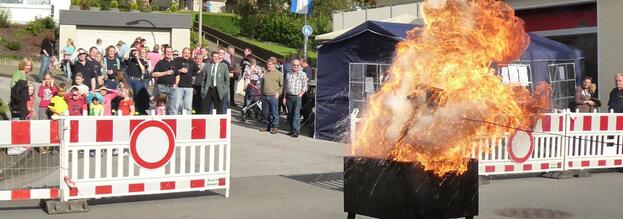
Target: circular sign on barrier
151 144
520 146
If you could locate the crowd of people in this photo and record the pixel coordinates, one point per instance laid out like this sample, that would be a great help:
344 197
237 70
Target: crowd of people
130 79
586 99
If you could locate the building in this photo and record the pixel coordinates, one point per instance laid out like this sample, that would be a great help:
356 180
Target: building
589 25
85 27
24 11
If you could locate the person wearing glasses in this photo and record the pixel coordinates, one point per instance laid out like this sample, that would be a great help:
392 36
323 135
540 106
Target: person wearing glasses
295 87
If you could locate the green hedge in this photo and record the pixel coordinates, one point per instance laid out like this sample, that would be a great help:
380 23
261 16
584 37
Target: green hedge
227 23
282 28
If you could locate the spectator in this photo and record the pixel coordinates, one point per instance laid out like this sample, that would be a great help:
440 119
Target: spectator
306 68
223 55
215 84
197 51
19 100
205 52
107 95
295 87
96 106
244 63
75 101
126 106
234 67
584 96
167 79
99 46
161 105
186 69
85 69
122 48
137 67
23 68
615 102
31 101
68 52
271 86
252 73
112 63
94 70
197 80
46 92
80 84
47 45
154 57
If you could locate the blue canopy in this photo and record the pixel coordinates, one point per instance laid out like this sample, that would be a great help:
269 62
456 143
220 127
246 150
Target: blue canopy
375 42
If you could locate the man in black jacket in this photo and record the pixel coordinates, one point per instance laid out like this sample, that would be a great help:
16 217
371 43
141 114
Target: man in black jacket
615 102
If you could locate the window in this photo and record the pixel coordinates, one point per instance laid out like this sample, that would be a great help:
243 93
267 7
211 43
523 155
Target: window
12 1
562 77
365 79
516 74
38 2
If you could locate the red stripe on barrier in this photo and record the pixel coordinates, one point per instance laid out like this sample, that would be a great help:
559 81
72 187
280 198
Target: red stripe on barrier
223 128
618 162
559 165
173 124
133 124
572 124
585 163
601 163
54 193
561 121
544 166
603 123
199 129
509 168
167 185
137 187
570 164
100 190
54 133
619 122
104 131
489 169
198 183
20 132
74 135
527 167
22 194
588 123
73 192
547 123
221 181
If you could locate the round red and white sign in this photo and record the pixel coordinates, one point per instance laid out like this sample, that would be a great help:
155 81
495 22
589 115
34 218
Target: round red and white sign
520 146
152 144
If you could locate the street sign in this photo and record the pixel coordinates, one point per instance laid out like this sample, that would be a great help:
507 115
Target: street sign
152 144
307 30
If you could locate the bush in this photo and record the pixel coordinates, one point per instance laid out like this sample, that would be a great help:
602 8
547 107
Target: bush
194 39
114 4
155 8
48 23
13 45
5 17
86 4
134 6
34 27
173 7
75 2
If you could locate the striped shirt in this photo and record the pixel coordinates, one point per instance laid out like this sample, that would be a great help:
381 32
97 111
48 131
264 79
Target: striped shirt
296 83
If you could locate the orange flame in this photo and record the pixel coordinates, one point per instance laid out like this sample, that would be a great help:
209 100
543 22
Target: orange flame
442 83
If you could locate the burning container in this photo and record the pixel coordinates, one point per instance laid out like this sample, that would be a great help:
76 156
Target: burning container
390 189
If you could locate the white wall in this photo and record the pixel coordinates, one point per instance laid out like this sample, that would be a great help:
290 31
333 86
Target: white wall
24 13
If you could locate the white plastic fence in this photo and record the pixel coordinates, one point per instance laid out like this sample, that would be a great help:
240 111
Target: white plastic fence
166 154
558 142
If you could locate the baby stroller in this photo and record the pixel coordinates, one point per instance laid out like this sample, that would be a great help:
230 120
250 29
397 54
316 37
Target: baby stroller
255 103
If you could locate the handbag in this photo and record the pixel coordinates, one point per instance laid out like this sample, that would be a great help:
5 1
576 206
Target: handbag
240 85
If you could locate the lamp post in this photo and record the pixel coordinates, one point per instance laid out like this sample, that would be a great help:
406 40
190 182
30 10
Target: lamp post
200 23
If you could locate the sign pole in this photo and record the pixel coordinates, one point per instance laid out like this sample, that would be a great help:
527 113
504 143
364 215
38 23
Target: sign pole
306 39
200 23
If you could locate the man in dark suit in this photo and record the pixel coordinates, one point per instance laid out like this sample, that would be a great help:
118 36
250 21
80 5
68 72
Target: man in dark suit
215 85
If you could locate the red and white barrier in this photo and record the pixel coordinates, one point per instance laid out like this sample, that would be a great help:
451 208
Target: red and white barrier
166 154
595 141
29 132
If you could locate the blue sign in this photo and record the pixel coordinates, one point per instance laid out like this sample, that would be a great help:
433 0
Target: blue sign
307 30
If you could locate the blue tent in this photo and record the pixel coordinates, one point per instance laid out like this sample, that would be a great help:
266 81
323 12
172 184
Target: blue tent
374 42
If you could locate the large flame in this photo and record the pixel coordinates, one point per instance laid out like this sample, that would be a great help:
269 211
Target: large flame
443 95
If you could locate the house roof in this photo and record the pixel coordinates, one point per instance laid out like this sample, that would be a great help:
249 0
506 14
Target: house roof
124 19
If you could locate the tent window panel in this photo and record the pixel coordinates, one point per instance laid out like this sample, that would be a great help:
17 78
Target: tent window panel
562 77
356 92
356 72
516 74
365 79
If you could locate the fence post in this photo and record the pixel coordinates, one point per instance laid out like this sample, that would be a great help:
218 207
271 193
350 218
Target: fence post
566 140
64 154
228 154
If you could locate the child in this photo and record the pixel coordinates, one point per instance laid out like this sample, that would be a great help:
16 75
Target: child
96 108
126 106
31 100
161 105
252 93
46 92
108 95
58 107
80 84
76 101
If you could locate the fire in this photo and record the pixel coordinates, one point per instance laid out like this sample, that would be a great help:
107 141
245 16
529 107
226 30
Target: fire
443 95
